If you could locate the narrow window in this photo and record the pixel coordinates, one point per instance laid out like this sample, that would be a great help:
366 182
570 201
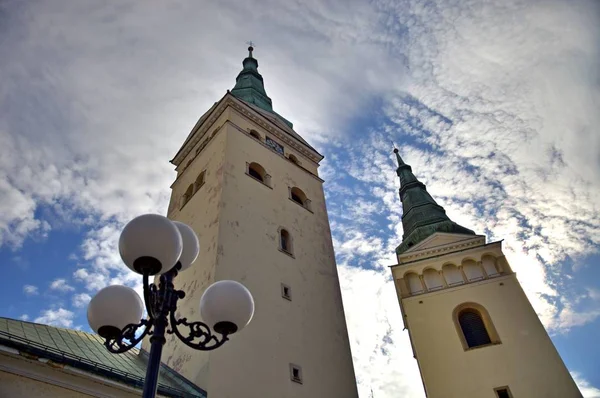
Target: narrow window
503 392
473 328
199 181
285 241
187 195
296 373
286 292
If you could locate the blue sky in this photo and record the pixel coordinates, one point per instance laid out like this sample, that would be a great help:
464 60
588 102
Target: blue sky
494 106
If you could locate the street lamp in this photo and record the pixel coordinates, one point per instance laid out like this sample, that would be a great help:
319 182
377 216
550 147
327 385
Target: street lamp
154 245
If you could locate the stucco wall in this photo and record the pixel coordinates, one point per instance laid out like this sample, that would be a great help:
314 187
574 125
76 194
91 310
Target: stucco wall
237 219
526 360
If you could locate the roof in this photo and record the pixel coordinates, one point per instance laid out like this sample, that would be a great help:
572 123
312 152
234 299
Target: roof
422 216
86 351
249 86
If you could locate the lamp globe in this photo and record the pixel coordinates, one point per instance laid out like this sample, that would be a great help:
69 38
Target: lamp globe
150 244
227 306
113 308
191 246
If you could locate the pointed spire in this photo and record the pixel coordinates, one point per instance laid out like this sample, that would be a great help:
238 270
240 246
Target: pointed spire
249 86
422 216
398 158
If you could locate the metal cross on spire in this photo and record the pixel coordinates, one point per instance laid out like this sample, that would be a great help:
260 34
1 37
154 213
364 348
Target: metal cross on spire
250 47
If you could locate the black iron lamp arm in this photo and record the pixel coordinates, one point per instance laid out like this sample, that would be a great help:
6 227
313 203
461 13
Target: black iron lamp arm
199 335
161 304
126 340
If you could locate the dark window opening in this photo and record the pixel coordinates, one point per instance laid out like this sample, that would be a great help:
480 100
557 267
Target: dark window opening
473 328
286 292
255 174
285 241
296 373
503 393
296 198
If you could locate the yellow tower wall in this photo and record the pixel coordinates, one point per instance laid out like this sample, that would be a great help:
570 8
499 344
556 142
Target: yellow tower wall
238 219
524 358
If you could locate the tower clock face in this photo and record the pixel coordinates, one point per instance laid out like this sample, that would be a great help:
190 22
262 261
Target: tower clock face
278 148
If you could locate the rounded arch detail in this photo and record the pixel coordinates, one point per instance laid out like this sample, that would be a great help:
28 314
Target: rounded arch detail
474 326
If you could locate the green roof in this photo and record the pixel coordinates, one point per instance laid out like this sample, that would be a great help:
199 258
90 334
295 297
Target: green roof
421 215
249 87
86 351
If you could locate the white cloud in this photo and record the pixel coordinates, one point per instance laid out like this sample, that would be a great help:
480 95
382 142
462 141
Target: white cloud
61 285
585 387
24 317
30 290
494 106
81 300
59 317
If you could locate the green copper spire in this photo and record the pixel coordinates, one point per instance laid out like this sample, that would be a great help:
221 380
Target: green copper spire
249 84
422 215
249 87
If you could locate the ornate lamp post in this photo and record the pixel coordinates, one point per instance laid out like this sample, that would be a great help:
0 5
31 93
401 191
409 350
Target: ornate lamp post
154 245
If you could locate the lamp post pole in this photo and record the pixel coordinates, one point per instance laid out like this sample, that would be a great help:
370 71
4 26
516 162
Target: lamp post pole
115 312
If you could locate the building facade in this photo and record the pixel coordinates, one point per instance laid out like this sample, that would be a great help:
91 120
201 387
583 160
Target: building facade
473 331
248 185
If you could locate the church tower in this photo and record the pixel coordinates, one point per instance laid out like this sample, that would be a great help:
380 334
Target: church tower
248 185
473 331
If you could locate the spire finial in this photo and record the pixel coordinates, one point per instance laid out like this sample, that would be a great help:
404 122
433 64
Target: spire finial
250 48
398 158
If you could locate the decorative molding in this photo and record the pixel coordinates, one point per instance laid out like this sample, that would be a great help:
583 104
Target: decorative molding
200 131
444 249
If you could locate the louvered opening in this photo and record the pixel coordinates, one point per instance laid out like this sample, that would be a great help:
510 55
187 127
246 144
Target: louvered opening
473 328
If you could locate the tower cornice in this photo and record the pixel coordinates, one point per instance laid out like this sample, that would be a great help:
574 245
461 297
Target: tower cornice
228 100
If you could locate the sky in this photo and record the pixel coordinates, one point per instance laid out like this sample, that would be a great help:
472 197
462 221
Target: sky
493 104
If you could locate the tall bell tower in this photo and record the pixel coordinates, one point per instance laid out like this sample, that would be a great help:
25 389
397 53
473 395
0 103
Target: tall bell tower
248 184
473 331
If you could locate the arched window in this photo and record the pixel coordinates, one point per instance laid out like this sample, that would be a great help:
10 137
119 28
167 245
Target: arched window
257 171
187 195
489 265
433 280
255 134
199 181
293 159
299 197
285 241
452 275
472 270
414 283
473 328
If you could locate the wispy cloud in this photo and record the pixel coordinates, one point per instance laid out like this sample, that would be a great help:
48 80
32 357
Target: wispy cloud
30 290
24 317
494 106
59 317
585 387
61 285
81 300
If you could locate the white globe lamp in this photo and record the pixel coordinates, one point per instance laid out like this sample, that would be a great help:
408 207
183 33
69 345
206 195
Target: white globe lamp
150 244
227 306
113 308
191 246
